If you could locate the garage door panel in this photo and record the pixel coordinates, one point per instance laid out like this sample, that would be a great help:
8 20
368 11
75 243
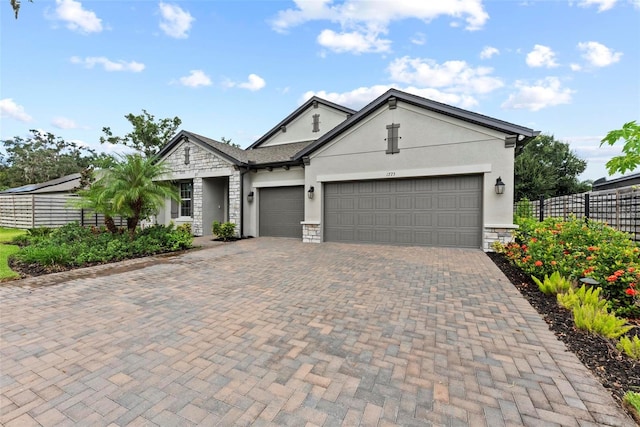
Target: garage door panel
423 219
404 219
367 219
439 211
469 201
381 236
423 202
469 221
383 219
383 203
447 202
404 202
365 202
281 210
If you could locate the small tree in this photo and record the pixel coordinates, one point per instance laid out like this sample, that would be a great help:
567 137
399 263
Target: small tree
133 189
148 136
630 134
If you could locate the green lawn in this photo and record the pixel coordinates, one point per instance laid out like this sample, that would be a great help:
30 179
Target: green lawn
6 234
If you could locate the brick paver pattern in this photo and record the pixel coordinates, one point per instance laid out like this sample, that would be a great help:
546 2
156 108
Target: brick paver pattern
275 332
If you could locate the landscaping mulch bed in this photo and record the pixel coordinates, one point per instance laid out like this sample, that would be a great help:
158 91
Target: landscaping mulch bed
616 372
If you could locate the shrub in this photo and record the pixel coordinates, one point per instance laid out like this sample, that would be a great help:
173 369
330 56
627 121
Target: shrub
577 248
73 245
224 231
583 296
630 347
553 284
46 255
599 321
632 402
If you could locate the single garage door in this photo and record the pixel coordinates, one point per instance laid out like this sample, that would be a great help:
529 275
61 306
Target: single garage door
281 210
438 211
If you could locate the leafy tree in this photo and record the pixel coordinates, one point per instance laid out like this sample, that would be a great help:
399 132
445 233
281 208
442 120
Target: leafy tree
547 167
41 157
132 189
15 5
630 134
148 136
228 142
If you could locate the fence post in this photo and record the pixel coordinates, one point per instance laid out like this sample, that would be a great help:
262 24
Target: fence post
541 213
82 217
586 207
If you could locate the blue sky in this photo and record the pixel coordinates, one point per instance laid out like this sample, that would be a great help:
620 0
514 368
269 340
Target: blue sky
236 68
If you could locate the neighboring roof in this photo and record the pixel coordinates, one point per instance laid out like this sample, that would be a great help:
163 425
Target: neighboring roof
295 114
459 113
63 184
623 181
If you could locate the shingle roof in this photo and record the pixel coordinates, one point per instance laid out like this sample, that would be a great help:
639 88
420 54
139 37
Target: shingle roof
261 155
62 184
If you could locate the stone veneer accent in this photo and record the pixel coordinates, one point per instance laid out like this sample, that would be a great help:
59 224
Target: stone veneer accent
311 233
201 163
234 200
496 234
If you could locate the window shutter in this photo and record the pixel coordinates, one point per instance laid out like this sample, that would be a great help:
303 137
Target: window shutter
392 138
316 123
174 208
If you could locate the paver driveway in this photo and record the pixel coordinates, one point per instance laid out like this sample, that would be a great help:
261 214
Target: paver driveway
275 332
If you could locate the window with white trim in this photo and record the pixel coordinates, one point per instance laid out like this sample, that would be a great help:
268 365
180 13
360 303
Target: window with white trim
186 198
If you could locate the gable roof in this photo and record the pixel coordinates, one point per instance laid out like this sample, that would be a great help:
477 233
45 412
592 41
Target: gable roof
448 110
276 154
298 111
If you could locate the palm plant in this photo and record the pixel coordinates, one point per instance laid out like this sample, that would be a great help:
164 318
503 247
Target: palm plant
133 188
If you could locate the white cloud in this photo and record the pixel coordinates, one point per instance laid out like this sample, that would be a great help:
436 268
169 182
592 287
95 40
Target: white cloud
196 78
452 76
361 22
488 52
175 22
598 54
8 108
541 56
542 94
253 83
107 64
419 39
575 67
354 42
361 96
64 123
602 4
77 18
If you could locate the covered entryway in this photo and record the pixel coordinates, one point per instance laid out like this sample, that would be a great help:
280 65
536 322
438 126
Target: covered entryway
281 211
436 211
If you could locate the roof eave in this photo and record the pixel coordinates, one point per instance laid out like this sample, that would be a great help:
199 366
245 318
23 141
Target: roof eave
297 112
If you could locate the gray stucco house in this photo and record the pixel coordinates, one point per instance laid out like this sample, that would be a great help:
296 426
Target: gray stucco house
402 170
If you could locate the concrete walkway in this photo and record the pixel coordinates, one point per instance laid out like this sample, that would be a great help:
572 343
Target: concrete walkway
275 332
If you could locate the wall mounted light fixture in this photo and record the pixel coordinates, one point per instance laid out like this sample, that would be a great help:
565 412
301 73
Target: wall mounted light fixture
310 192
250 197
499 186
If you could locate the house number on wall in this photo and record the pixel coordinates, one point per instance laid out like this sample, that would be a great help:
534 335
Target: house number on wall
391 174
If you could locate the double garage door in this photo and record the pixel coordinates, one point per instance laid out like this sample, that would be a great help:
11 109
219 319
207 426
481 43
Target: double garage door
439 211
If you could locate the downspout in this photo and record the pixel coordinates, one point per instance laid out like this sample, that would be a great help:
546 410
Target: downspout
242 174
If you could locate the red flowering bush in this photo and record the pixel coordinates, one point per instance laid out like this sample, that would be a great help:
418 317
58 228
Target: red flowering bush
577 248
